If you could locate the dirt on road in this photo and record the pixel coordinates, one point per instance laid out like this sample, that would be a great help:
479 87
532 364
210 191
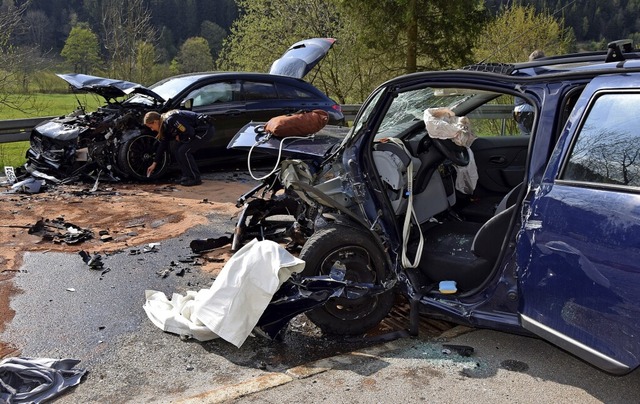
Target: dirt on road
118 215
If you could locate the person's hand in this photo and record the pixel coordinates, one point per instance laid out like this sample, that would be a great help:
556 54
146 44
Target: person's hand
151 169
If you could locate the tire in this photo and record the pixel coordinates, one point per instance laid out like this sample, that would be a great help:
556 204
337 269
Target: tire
136 154
364 262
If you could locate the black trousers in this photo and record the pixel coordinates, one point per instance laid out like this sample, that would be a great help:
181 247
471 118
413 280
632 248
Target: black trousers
184 153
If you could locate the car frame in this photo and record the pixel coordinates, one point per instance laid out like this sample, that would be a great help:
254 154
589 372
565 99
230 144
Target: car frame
546 244
113 141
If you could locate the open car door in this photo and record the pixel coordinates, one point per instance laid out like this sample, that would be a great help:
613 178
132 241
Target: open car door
579 247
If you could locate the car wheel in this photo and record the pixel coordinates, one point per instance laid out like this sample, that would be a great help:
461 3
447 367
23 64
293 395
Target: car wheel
137 154
354 250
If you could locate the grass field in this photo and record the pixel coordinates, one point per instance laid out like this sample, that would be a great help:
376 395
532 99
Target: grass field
37 105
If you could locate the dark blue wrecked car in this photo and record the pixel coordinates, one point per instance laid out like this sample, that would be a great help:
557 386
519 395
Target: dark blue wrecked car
435 193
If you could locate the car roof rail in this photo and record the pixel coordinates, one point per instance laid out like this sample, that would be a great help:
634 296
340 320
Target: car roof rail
616 50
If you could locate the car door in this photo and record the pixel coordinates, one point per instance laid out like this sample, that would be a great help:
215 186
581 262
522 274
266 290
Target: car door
500 156
261 98
222 100
579 246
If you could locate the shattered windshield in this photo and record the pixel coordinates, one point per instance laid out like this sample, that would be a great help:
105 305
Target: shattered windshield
167 89
409 106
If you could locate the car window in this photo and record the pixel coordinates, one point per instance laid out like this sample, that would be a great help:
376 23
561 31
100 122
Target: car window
254 90
607 146
214 93
170 87
291 93
501 115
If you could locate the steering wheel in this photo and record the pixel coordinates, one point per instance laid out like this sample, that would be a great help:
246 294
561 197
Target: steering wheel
458 155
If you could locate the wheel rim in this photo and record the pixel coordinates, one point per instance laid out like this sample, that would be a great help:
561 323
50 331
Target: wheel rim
140 155
359 268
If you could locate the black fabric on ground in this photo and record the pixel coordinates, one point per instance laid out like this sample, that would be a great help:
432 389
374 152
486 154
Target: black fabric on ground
34 380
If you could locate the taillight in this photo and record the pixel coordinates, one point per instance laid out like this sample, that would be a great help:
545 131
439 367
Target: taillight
336 107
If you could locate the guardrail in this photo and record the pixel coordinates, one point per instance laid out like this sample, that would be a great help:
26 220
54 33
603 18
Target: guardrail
16 130
349 111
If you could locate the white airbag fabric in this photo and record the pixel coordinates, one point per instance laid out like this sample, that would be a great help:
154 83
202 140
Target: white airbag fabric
237 298
442 123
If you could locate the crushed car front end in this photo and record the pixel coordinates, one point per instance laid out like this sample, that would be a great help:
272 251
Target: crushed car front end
103 142
80 144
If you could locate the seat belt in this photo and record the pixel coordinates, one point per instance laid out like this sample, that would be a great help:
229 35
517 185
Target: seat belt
409 214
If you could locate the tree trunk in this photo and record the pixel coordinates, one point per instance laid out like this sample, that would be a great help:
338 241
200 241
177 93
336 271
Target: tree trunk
412 36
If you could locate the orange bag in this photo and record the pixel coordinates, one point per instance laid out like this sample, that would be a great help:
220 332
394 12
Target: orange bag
301 123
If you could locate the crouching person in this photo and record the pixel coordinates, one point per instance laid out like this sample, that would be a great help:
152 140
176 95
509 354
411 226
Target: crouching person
190 131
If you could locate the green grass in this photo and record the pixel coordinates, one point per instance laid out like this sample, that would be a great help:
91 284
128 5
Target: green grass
12 154
36 105
39 105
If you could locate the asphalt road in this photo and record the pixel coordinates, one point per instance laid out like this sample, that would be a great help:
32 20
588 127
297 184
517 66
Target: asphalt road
67 310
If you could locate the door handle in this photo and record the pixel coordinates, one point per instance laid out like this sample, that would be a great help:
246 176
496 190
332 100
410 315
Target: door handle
233 112
498 159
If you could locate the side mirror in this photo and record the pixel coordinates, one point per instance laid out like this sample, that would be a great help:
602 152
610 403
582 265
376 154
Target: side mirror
188 104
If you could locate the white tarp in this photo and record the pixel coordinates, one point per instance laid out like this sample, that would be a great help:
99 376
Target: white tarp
231 308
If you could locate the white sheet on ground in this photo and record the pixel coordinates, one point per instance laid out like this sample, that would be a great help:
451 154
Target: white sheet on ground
176 315
237 298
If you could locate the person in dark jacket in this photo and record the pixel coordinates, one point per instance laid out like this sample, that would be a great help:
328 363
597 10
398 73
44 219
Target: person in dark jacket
191 131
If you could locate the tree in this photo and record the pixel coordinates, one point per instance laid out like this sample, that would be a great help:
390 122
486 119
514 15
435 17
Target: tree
214 34
13 60
145 62
266 29
39 28
519 30
81 50
375 40
124 24
418 34
194 56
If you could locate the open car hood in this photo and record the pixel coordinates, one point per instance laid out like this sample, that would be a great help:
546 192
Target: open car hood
107 88
315 147
301 57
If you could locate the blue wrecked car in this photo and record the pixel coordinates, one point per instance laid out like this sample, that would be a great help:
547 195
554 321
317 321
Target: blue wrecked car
476 214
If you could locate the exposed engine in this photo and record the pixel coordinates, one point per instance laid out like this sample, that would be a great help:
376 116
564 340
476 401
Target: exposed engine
83 144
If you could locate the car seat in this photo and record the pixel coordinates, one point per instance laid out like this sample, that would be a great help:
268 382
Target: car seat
465 252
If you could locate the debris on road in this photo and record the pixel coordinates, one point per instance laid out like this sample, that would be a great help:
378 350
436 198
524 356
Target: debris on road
28 186
94 262
151 247
200 245
59 231
10 174
462 350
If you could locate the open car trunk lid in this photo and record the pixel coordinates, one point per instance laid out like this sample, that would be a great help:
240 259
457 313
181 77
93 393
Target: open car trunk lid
301 57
